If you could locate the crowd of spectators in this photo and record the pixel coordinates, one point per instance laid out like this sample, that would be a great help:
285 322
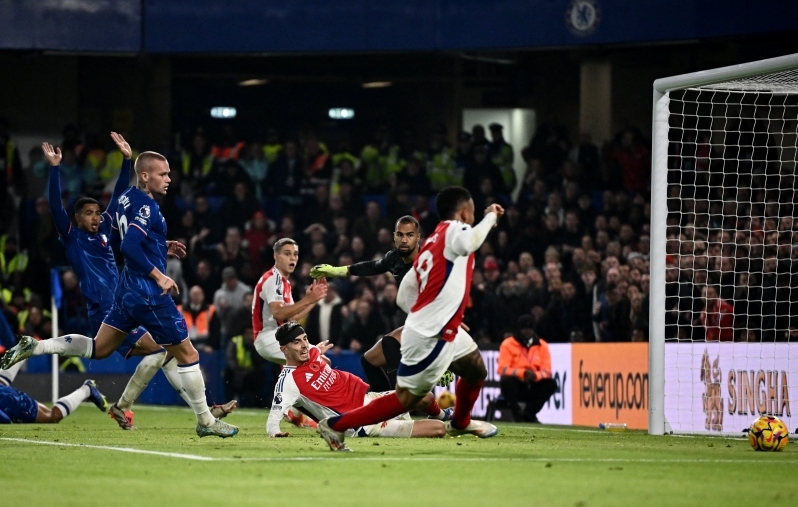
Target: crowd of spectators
731 239
572 249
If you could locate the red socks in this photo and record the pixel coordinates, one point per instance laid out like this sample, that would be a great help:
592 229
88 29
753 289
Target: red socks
381 409
433 410
467 395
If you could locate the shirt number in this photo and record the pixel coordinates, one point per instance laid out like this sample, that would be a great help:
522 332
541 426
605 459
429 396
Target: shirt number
423 268
121 221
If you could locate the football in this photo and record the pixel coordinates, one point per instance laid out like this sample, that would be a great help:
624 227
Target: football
445 399
768 433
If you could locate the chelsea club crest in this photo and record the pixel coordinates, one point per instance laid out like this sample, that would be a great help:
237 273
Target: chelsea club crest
582 17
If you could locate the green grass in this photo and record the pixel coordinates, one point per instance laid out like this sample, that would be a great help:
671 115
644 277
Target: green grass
524 465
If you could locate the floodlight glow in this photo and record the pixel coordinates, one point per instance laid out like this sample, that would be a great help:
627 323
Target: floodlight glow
377 84
341 113
252 82
223 112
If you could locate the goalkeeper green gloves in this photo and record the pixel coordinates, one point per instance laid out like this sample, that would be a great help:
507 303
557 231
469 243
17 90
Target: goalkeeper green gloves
327 271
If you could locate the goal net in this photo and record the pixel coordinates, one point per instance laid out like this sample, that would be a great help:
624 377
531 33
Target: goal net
724 256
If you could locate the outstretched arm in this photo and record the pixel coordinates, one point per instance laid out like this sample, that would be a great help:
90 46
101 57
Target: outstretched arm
365 268
60 217
470 239
123 182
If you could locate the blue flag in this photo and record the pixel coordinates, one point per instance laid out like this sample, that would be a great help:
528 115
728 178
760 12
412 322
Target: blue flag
55 286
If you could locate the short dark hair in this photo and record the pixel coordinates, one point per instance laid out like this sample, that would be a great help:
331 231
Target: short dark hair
82 202
282 242
288 330
407 219
449 201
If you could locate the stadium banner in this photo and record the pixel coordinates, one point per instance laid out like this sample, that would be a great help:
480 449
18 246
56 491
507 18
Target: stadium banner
556 411
722 387
610 384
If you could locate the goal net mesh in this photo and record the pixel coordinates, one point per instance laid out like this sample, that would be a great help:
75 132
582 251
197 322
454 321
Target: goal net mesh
731 303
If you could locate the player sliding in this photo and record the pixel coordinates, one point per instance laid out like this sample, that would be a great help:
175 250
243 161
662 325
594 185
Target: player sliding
432 338
17 407
309 383
382 360
141 296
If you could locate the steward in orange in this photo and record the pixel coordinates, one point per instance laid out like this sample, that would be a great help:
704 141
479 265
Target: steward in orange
525 370
199 320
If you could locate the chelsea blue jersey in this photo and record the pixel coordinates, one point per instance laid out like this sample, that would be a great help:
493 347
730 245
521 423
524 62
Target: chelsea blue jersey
137 210
93 261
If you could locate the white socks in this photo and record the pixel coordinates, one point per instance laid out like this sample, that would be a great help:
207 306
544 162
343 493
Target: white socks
70 402
69 345
194 387
169 368
7 376
146 369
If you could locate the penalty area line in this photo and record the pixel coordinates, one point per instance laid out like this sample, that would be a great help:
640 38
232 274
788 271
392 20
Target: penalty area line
193 457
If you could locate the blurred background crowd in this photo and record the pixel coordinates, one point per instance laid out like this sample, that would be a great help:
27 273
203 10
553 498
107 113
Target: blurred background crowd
572 249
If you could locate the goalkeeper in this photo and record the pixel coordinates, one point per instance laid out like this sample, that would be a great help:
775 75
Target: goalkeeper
382 360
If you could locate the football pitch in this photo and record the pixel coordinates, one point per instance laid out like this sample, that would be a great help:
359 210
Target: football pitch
87 460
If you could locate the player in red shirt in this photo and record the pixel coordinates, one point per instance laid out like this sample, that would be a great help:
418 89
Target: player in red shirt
435 294
307 382
717 316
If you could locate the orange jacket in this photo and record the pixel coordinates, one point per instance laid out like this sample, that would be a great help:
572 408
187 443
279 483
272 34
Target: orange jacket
515 359
202 322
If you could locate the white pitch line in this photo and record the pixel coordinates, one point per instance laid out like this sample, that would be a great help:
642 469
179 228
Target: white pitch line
349 457
111 448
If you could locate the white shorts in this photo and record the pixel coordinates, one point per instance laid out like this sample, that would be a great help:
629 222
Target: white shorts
268 348
425 359
400 426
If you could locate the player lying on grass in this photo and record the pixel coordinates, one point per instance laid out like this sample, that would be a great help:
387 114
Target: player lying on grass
88 248
308 382
141 296
432 339
17 407
381 361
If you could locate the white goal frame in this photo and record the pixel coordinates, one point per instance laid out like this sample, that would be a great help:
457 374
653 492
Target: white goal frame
657 424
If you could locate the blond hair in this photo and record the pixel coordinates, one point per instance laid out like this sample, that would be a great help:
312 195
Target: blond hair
145 161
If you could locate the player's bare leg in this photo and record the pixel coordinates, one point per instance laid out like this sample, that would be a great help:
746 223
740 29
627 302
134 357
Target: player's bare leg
472 372
66 405
194 386
428 428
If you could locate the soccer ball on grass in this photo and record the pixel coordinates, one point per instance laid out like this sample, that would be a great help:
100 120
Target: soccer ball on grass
768 433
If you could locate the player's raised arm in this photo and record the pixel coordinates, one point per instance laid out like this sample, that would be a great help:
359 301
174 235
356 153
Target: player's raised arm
469 239
60 217
313 295
123 181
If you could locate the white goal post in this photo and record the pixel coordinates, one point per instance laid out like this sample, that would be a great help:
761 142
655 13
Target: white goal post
724 220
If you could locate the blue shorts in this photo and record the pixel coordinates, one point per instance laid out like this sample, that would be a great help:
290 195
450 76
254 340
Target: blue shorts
18 406
160 317
127 346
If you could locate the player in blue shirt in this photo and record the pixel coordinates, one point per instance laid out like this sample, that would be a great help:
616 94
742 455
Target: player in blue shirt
89 251
141 296
17 407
